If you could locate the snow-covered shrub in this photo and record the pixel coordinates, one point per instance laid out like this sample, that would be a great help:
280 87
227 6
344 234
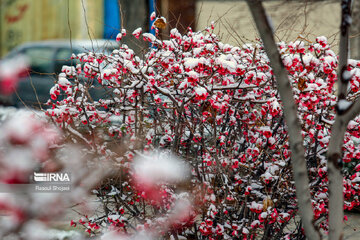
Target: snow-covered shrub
11 71
29 144
216 107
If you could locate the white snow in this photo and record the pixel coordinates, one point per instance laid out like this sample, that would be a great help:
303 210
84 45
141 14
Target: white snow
348 19
191 62
330 60
343 105
255 205
137 31
162 18
62 80
311 87
11 67
346 75
175 32
193 74
356 180
322 39
114 191
160 166
149 36
200 91
226 63
322 195
152 16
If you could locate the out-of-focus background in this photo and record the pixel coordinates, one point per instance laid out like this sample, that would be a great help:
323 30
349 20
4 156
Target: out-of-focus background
28 20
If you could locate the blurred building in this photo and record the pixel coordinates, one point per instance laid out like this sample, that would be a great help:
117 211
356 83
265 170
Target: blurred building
290 20
33 20
179 14
27 20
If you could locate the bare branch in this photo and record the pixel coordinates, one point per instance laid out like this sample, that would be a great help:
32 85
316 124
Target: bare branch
343 116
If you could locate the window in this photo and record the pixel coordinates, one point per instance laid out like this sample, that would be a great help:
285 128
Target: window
41 59
62 58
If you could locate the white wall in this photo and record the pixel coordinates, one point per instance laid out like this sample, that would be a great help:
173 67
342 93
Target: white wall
290 19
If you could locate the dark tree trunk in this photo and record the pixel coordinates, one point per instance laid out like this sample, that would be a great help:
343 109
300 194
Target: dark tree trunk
180 15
